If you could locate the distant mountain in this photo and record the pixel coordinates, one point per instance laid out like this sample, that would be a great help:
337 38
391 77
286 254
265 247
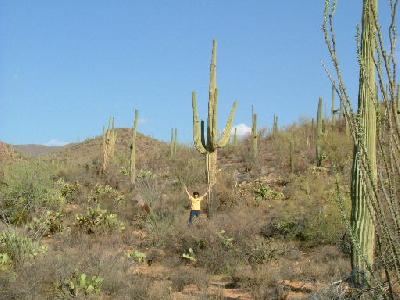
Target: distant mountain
36 150
147 149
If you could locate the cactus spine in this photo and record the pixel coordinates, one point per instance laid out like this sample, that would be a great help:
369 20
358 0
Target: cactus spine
132 161
174 142
254 133
209 147
319 132
109 139
363 228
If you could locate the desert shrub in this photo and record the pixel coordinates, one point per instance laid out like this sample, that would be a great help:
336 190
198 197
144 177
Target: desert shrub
80 284
184 276
68 190
98 220
265 192
137 256
18 248
49 223
5 262
311 214
28 187
103 193
221 245
338 150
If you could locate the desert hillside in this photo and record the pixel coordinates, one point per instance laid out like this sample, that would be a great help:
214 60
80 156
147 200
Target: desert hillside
277 231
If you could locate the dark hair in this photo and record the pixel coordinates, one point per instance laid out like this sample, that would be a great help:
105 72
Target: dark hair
196 194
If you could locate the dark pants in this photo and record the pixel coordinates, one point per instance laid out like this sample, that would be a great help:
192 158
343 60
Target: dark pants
193 214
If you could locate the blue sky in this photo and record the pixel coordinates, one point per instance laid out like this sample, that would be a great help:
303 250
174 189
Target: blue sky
66 66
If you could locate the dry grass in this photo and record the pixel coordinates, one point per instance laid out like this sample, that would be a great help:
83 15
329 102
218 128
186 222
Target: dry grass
255 241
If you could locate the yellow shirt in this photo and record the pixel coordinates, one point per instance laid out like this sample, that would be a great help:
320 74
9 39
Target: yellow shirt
195 202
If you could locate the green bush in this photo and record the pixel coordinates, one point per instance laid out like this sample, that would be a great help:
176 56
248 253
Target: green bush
49 223
98 220
27 188
102 193
264 192
68 190
79 284
18 248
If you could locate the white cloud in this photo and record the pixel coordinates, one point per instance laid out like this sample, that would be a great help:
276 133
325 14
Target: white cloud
143 120
55 142
242 130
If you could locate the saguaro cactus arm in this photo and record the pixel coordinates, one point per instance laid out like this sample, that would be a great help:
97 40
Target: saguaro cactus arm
228 128
197 128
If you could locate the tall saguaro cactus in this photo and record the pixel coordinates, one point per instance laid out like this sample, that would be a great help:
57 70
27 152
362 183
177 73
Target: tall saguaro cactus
275 127
254 133
235 137
363 228
209 146
109 139
319 132
174 141
132 161
398 99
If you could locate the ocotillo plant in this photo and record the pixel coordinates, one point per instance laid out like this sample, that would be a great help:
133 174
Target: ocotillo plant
254 133
174 142
318 133
362 223
209 147
334 111
109 139
275 126
132 161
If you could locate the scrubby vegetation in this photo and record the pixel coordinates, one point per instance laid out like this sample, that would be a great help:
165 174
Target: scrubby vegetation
275 224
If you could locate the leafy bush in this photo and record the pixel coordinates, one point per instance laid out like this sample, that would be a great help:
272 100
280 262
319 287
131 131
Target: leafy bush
102 193
263 192
68 190
28 187
18 248
98 220
5 261
49 223
79 284
137 255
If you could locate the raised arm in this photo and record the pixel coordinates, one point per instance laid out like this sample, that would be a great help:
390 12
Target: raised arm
186 190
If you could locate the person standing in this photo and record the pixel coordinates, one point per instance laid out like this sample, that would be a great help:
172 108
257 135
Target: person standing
195 204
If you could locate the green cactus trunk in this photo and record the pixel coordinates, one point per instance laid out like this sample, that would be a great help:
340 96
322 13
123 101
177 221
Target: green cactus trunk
362 223
132 161
254 134
174 142
235 138
275 127
319 133
209 147
109 140
398 99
